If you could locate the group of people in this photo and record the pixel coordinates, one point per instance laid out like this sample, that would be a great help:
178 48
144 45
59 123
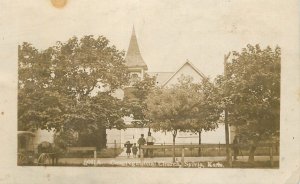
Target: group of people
150 140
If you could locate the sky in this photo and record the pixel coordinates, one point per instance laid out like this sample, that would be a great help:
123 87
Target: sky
169 31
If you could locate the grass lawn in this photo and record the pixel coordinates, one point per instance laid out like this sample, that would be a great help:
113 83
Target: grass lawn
104 153
257 164
109 153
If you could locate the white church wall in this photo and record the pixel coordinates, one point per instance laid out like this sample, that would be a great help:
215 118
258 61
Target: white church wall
186 70
113 135
133 134
41 136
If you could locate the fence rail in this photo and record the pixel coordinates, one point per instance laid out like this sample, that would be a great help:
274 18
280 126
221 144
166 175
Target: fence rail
271 147
168 146
72 149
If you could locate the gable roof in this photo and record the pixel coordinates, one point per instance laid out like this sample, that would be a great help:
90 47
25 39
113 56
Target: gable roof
133 57
161 77
186 63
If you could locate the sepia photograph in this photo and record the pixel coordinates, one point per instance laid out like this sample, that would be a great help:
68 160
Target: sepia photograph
86 102
193 86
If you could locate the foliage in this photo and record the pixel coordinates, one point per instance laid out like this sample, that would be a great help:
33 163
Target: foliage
82 65
135 99
69 85
144 87
65 138
169 109
208 112
251 91
184 107
253 88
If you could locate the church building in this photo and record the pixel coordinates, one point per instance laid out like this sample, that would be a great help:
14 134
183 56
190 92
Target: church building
138 68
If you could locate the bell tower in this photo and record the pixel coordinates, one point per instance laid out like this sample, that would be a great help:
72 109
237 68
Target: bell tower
134 60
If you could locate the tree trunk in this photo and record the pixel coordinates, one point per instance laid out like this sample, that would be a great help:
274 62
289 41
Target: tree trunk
251 154
101 138
228 157
174 136
104 138
199 150
252 151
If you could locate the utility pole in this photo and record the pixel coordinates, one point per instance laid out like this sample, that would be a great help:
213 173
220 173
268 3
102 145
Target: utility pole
228 151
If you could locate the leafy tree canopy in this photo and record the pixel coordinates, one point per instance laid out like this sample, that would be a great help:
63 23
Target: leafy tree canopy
185 106
69 85
251 91
209 111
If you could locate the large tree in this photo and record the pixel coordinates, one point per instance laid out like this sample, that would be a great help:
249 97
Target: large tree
69 85
208 109
179 108
38 104
251 91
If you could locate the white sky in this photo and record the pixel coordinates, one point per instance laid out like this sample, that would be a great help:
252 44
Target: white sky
169 31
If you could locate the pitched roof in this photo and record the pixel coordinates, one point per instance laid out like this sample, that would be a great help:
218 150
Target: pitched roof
161 77
133 57
186 63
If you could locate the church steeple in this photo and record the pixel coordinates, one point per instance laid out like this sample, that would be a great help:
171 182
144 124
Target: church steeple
133 57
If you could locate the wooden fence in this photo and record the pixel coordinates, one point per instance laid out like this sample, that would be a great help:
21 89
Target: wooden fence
271 147
74 149
83 149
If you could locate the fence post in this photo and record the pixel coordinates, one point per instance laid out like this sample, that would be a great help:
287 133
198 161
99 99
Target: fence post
182 157
192 150
115 148
142 156
164 149
95 157
271 155
219 150
230 157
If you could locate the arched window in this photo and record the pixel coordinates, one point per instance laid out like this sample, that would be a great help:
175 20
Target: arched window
135 77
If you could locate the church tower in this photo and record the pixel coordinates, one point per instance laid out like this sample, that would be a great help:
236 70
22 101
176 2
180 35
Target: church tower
134 60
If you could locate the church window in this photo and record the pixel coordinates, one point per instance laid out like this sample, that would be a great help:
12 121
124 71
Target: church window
135 77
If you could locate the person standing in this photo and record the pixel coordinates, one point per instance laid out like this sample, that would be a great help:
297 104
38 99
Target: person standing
141 142
128 148
235 147
134 150
150 141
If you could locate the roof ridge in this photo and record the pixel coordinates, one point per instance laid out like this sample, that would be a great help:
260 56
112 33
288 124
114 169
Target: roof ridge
160 72
186 62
